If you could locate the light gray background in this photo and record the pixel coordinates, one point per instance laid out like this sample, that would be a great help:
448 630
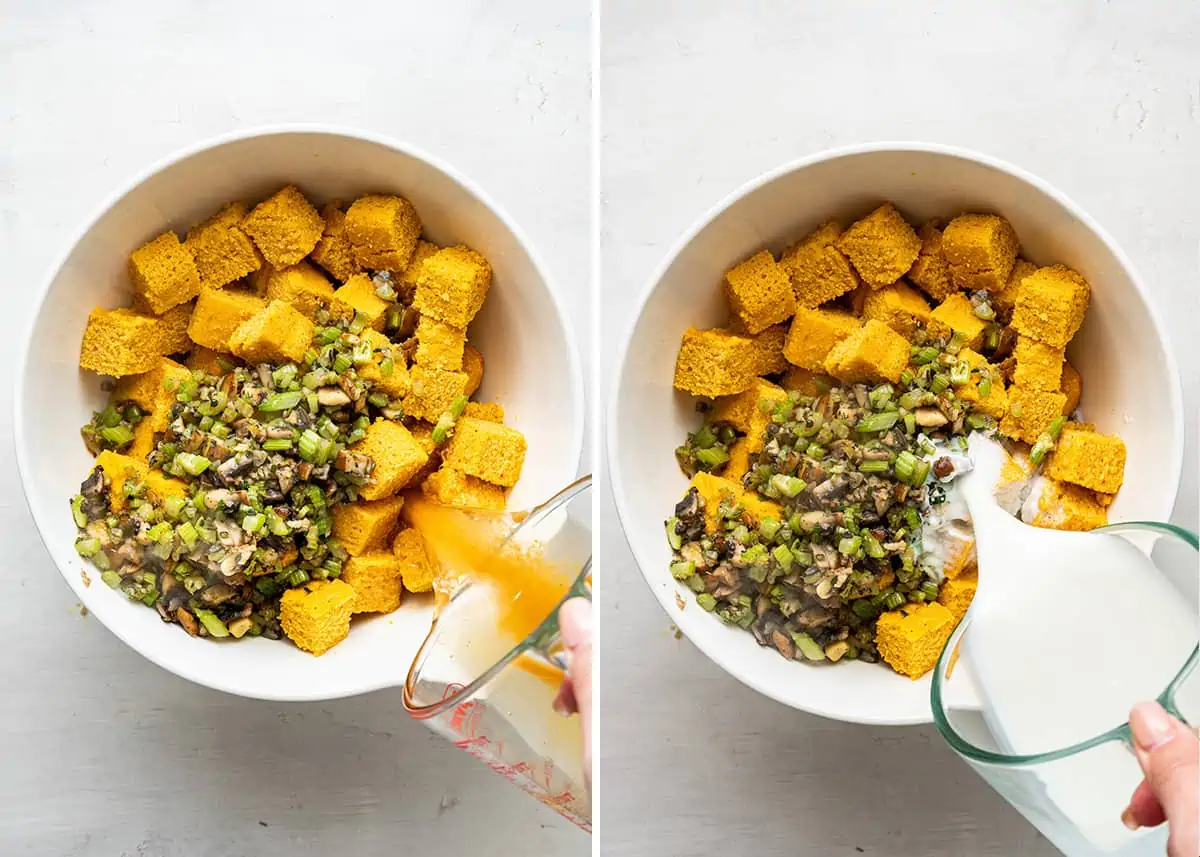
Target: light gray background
698 97
102 753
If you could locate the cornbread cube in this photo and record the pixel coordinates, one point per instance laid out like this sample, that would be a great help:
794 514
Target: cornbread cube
1004 300
1015 473
366 525
334 252
223 252
383 231
451 487
714 363
302 286
154 392
931 271
899 306
119 469
201 359
357 295
911 639
219 312
818 270
452 285
164 274
1030 412
739 461
276 334
375 579
1039 366
742 409
958 555
1063 506
122 342
146 389
759 292
712 490
980 249
417 568
489 451
1051 304
285 227
397 383
874 352
814 333
493 412
422 433
433 392
881 246
316 616
406 282
957 314
439 346
995 403
768 348
397 456
857 299
755 508
801 380
473 367
1088 458
956 595
1072 388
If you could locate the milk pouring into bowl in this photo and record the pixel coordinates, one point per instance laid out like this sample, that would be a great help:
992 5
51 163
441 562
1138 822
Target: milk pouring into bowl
1067 631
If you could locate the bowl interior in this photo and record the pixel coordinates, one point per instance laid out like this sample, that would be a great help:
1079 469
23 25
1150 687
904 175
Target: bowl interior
531 368
1130 381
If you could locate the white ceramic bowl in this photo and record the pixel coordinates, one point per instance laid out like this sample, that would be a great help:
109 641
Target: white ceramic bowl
1131 383
531 367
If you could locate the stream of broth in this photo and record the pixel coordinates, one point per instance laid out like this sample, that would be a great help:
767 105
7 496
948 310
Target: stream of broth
523 586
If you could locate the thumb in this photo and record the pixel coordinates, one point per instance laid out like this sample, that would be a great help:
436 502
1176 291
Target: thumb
575 623
1169 754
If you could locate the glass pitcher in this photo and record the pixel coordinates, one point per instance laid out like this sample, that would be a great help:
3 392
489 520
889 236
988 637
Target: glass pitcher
1073 795
494 700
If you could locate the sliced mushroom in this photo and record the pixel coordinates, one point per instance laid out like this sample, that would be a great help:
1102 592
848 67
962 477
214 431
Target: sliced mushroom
784 644
332 397
188 621
930 418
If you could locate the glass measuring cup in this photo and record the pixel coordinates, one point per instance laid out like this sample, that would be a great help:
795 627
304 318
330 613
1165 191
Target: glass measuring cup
492 698
1073 793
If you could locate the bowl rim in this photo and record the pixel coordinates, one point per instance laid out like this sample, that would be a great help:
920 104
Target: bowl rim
647 568
574 366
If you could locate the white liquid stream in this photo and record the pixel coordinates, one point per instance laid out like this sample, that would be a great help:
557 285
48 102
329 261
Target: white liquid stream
1067 631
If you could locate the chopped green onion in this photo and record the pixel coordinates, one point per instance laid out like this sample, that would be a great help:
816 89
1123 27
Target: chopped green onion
925 355
387 366
808 647
878 422
1042 448
788 486
815 450
117 435
192 464
980 422
872 546
327 335
906 464
361 353
714 457
310 445
960 374
214 626
939 384
379 400
674 539
880 396
704 437
281 401
358 323
907 378
768 528
783 556
254 522
458 406
80 517
109 417
1056 427
850 545
985 386
187 533
87 547
342 363
683 570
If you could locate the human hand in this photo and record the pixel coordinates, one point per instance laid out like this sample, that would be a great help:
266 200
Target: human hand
575 695
1169 754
